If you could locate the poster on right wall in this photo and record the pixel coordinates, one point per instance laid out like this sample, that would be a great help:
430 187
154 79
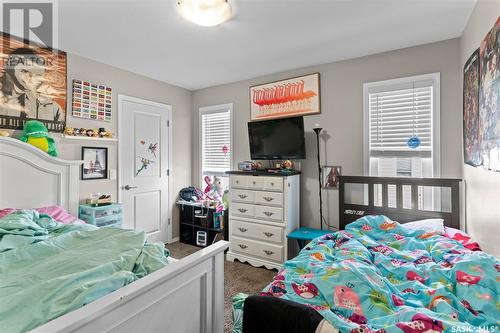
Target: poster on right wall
489 98
472 147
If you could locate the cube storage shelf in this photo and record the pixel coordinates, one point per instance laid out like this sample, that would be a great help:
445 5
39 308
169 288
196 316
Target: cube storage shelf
195 217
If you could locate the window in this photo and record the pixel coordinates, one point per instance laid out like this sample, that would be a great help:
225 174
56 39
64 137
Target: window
398 113
215 142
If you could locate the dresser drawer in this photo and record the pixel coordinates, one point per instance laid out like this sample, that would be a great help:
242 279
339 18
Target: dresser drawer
255 183
241 209
258 231
269 198
273 184
239 181
269 213
256 248
242 196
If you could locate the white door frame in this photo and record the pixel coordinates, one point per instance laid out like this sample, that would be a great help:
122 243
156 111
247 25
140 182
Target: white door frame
121 99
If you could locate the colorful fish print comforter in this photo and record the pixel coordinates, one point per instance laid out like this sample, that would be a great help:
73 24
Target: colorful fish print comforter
377 276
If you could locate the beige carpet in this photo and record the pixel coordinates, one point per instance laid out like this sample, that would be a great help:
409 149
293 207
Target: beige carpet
238 278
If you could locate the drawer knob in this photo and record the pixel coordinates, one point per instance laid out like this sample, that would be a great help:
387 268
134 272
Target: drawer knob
242 229
243 246
268 214
268 199
237 182
254 182
268 252
242 196
268 234
272 183
242 210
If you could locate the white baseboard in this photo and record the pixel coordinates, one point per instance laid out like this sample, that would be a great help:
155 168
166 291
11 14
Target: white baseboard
175 239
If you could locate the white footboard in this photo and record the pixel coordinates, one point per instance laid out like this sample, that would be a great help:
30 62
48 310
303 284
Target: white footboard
186 296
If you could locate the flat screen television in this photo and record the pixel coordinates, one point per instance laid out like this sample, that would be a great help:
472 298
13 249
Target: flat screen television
277 139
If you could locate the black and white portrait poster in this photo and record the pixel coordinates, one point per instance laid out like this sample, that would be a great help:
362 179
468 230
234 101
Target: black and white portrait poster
32 85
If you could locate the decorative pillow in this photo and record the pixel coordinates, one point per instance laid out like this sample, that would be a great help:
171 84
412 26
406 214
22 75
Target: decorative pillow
57 213
462 238
6 211
429 225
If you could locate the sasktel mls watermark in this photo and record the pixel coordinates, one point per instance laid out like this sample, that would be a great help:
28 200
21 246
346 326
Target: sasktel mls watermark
35 21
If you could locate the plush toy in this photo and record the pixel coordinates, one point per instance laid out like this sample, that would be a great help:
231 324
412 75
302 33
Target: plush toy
35 133
4 133
218 190
208 188
69 131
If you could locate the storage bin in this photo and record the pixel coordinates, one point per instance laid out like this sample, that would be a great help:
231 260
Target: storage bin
111 215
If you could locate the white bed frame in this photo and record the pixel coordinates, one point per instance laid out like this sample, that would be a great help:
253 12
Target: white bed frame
185 296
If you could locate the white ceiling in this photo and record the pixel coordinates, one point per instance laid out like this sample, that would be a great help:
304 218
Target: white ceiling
264 36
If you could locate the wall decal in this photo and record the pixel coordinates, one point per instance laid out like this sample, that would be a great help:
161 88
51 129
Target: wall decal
91 101
472 153
145 163
153 148
32 85
297 96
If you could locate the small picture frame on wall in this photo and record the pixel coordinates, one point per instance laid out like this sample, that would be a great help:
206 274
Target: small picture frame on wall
95 163
330 176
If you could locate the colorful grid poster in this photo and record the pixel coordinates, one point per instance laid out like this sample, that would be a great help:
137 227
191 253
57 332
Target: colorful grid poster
91 101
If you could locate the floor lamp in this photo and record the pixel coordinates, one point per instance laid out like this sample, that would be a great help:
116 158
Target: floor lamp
317 130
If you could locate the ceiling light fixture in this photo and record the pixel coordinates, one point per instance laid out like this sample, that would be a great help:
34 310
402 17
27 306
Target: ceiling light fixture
207 13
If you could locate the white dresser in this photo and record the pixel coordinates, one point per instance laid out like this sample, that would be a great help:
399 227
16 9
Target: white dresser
264 208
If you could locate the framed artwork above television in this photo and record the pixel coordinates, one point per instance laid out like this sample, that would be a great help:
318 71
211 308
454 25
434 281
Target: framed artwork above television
297 96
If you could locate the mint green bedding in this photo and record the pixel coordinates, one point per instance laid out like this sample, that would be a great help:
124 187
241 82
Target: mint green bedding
48 269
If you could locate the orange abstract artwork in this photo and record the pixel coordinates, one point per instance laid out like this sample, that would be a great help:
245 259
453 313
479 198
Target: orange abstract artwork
287 98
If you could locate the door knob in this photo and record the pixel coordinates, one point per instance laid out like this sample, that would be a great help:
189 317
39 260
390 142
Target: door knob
128 187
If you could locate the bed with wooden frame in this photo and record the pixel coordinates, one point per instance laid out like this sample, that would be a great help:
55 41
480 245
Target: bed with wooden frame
405 206
349 212
185 296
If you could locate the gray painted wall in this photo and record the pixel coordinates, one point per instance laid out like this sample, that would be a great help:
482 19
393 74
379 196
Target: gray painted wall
127 83
342 115
483 187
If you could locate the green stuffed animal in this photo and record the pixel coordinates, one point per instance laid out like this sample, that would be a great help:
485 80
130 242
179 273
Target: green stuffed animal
35 133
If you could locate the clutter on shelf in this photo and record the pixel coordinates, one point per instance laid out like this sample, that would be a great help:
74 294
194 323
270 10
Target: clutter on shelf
90 132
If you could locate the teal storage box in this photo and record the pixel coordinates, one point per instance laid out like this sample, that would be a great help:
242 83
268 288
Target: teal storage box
104 216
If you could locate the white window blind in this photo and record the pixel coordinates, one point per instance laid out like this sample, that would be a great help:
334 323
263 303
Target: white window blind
215 141
397 113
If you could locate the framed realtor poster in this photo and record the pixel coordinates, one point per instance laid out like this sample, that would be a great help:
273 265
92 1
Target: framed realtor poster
32 84
298 96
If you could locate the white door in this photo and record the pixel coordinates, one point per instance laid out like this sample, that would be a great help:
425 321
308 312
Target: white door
144 166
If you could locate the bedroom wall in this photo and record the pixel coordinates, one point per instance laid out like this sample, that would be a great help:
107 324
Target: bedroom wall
127 83
342 115
483 187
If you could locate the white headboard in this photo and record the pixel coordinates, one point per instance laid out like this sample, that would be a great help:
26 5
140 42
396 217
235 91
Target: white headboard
30 178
